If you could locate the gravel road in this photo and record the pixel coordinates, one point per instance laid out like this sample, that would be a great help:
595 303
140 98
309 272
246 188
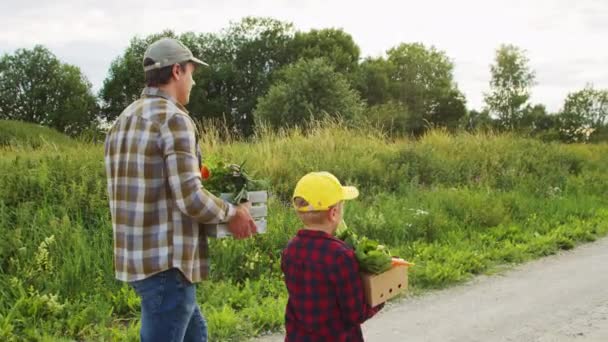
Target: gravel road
561 298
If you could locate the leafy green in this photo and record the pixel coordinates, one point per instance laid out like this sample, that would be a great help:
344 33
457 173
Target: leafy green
233 179
372 256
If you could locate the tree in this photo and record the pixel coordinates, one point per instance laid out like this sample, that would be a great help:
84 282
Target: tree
536 118
418 81
37 87
336 46
210 96
125 79
242 60
475 120
449 109
421 79
253 50
373 81
509 85
584 112
308 89
394 118
590 105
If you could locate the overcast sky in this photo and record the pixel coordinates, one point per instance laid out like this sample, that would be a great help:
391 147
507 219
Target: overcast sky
566 40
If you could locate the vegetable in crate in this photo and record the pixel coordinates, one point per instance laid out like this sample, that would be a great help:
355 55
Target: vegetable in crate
205 173
372 256
232 178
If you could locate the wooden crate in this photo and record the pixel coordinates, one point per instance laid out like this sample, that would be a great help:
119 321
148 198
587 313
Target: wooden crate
259 212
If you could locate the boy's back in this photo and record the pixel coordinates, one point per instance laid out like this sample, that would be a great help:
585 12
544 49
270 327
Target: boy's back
326 299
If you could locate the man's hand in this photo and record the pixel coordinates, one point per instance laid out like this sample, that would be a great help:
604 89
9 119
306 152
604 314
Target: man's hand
241 225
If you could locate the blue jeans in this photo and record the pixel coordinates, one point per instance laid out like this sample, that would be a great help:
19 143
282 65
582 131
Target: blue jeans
169 312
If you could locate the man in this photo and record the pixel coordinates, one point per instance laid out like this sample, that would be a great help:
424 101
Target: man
157 201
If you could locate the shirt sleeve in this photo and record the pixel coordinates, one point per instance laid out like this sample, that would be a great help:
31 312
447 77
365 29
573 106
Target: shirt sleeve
349 291
179 150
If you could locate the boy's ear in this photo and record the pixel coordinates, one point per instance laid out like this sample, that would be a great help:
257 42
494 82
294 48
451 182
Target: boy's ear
332 213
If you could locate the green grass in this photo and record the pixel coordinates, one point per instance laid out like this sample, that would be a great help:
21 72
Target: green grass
457 206
16 134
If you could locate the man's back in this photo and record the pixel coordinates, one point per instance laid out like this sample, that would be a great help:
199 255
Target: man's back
153 184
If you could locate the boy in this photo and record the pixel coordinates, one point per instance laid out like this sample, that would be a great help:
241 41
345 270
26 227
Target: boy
326 300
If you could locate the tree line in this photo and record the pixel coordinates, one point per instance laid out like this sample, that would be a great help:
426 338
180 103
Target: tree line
264 70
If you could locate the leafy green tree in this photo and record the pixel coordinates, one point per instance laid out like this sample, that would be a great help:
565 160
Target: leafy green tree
392 87
476 120
35 86
373 81
419 79
536 118
584 112
394 118
589 104
308 89
125 79
252 50
509 85
336 46
242 59
449 109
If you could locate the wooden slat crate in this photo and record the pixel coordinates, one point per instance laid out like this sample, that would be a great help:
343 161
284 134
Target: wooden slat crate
259 212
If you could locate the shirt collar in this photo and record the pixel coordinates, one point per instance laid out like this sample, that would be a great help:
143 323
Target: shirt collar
157 92
316 234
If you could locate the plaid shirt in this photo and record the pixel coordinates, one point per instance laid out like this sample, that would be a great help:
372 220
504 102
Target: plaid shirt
154 187
326 299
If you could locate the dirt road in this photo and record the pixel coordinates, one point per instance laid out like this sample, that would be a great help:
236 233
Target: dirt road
561 298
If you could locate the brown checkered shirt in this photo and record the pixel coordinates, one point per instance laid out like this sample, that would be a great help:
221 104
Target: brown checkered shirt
154 186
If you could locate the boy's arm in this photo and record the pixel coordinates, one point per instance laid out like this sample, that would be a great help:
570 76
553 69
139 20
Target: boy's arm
349 291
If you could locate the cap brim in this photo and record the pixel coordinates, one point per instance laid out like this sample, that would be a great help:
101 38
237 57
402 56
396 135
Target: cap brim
198 61
350 192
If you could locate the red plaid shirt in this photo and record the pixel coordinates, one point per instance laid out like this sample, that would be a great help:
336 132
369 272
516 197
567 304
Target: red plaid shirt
326 299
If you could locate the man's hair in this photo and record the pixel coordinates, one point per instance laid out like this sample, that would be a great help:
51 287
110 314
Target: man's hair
161 76
310 217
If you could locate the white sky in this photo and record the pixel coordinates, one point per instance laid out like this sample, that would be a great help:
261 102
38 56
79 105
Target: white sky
566 40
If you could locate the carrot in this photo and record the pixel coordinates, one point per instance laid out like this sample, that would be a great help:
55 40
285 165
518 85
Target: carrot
400 262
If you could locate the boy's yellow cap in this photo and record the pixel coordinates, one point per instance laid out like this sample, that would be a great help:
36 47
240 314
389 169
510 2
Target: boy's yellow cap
322 190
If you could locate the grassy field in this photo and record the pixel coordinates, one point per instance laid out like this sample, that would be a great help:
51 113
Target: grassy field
455 205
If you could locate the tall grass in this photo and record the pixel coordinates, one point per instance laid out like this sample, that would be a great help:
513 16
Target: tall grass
16 134
456 205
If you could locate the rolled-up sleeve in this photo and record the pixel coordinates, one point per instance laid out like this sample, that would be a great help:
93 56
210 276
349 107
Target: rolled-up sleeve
179 150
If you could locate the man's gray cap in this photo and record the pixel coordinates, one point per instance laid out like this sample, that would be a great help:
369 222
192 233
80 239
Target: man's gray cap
168 51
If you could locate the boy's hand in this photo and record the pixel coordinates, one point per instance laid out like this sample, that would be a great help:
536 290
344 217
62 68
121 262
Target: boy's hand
379 307
241 225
